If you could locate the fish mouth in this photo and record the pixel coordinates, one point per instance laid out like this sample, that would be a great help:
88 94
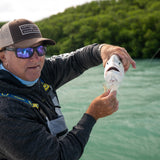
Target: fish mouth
113 68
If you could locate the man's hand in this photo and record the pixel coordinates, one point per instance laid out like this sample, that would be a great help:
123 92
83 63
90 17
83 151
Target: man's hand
108 50
104 105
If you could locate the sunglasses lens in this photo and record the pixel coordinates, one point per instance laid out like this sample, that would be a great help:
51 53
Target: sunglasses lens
24 52
41 50
28 52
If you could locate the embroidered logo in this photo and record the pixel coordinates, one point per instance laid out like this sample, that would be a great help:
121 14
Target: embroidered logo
28 29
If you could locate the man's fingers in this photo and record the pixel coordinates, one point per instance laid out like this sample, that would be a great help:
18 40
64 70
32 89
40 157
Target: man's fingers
105 94
124 56
113 94
133 63
110 99
130 60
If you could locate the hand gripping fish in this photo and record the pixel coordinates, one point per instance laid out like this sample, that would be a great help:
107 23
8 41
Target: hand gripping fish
113 73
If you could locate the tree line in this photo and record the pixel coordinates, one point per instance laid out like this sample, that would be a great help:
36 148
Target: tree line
133 24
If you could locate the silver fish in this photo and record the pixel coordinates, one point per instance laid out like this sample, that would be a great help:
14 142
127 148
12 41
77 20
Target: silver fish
113 73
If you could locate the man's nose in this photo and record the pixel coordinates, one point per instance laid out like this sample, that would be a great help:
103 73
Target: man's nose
35 55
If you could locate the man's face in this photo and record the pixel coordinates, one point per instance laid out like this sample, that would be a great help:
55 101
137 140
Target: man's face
27 69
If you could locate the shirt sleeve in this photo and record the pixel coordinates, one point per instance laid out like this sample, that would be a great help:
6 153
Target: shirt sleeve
63 68
23 137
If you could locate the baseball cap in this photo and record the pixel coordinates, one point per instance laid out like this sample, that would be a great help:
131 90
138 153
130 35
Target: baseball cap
21 33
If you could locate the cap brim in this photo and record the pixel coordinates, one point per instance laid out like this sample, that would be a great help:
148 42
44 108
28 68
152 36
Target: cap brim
33 41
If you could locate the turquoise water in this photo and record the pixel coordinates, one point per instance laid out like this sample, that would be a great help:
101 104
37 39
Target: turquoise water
133 132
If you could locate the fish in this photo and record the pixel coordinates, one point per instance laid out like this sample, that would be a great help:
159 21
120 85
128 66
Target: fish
113 73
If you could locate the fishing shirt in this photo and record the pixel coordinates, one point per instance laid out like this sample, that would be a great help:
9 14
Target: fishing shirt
24 130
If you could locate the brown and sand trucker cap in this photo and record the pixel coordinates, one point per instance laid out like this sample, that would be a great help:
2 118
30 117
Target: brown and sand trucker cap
21 33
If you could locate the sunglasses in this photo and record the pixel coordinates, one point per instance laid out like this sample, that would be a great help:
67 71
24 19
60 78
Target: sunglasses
28 52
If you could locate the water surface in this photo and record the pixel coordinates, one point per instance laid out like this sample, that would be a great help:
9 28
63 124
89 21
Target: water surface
133 132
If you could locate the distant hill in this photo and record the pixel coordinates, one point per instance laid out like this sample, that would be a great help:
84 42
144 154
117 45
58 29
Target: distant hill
133 24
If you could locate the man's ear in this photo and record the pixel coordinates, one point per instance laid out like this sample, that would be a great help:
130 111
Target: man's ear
2 56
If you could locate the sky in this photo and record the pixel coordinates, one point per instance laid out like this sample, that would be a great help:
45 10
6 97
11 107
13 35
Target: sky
34 10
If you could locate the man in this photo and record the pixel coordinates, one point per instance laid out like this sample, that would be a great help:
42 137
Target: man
32 126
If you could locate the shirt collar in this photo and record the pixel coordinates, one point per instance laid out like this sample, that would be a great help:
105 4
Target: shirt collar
27 83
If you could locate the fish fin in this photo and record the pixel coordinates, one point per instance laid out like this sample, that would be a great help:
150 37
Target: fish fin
105 88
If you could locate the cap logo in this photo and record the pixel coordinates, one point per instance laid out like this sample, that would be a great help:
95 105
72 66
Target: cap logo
29 29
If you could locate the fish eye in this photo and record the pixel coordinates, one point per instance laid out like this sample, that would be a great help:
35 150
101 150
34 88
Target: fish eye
119 63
